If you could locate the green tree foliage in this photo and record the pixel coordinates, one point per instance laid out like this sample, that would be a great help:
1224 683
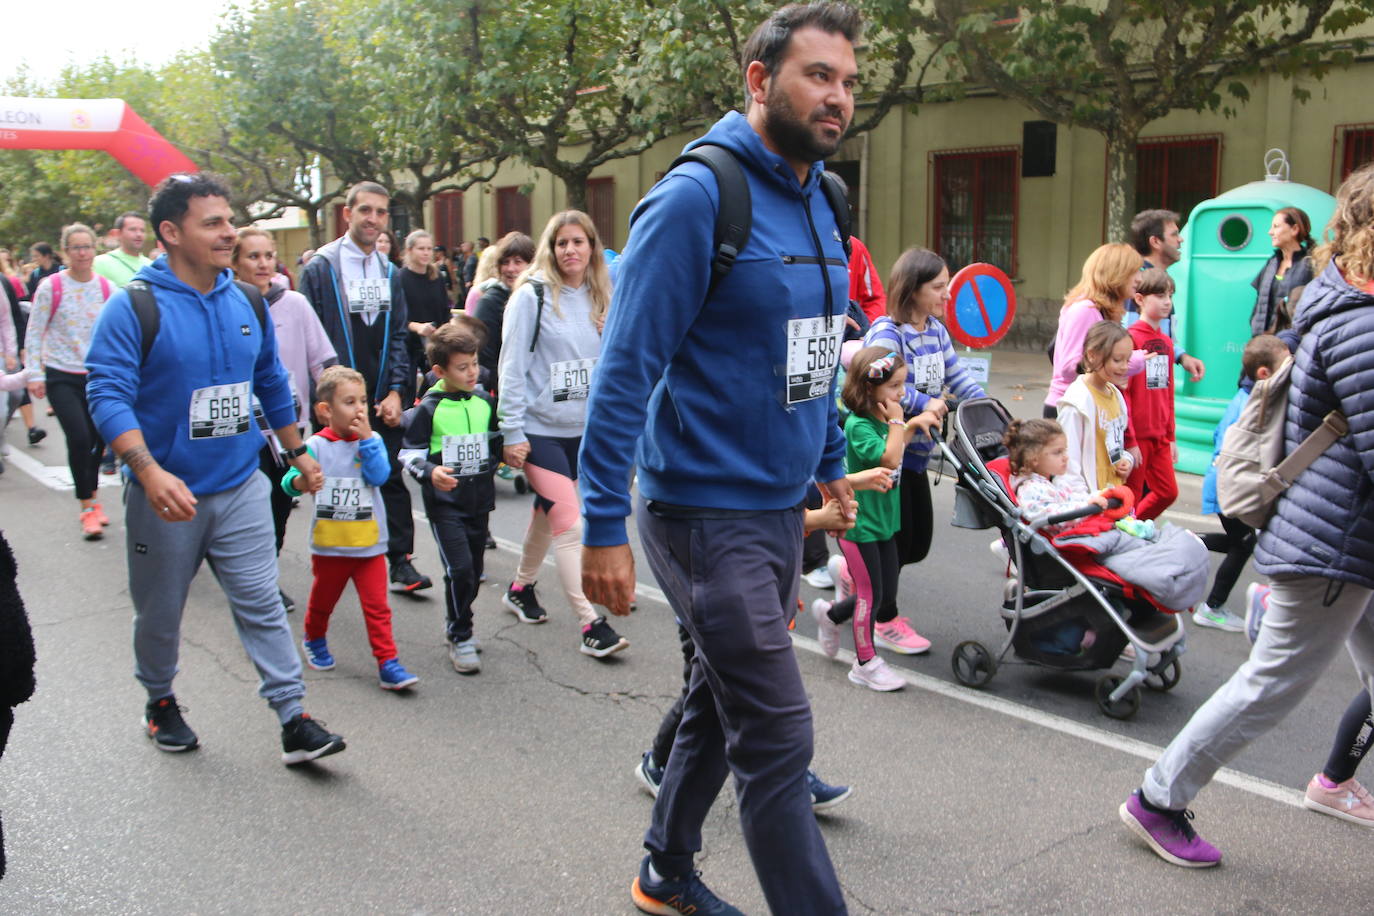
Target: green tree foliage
1114 66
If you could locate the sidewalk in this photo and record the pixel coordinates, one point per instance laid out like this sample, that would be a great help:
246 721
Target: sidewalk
512 790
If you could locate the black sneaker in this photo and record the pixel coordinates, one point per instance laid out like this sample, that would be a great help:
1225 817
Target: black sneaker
677 895
163 723
37 435
405 578
286 601
650 774
304 738
599 640
521 601
491 542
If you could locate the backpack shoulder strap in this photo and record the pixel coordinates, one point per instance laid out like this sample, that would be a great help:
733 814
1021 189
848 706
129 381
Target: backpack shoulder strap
538 310
734 214
146 311
55 284
256 300
839 202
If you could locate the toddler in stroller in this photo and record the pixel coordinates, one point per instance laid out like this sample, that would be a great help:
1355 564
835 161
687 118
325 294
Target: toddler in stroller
1066 603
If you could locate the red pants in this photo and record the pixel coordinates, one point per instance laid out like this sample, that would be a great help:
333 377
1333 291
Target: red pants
369 578
1155 473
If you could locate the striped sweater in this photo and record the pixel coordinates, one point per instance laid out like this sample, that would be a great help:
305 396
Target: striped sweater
932 367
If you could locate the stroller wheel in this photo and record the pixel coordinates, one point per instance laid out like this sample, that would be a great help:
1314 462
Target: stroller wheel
1166 679
973 664
522 486
1124 708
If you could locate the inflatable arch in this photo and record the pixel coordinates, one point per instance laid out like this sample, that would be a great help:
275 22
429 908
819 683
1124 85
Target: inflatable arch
100 124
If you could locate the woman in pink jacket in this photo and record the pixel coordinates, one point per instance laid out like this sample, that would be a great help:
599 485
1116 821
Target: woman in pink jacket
1108 280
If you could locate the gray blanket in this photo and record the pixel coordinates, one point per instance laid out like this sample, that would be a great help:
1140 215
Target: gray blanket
1172 567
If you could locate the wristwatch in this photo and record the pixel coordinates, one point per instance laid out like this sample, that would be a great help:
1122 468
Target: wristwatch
289 453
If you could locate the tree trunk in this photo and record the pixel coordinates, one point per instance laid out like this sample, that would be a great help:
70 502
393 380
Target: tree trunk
312 215
576 183
1121 182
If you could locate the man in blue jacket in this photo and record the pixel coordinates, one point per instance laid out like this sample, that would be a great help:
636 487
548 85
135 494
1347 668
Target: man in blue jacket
362 304
180 415
728 391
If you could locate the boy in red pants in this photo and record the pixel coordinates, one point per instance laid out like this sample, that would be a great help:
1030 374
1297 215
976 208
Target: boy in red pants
1150 398
347 531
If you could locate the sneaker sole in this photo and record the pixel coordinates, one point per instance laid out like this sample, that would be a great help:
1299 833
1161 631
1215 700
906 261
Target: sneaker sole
1311 805
93 535
472 667
1139 830
855 679
1213 625
399 685
169 748
900 650
645 781
414 587
602 653
520 615
647 904
291 758
832 802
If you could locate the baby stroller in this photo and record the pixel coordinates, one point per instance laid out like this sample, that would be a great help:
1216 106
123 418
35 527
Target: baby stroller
1048 588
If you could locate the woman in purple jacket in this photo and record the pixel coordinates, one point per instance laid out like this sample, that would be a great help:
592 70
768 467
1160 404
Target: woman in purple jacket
1317 549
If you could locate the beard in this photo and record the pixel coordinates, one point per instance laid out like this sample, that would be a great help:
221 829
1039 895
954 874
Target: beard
795 136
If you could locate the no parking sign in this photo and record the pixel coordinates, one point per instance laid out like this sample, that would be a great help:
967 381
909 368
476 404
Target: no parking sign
983 306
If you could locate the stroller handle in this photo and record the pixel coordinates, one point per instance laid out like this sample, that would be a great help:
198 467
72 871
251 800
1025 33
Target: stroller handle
1086 511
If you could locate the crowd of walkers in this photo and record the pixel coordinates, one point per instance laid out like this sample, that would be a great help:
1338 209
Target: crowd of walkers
232 392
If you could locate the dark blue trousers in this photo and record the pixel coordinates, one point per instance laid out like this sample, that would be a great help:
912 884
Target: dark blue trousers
733 585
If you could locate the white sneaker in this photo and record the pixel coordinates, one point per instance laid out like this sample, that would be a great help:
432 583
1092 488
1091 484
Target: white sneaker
875 675
819 578
839 574
998 548
827 630
1217 618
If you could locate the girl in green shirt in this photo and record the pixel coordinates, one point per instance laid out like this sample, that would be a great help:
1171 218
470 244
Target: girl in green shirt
877 435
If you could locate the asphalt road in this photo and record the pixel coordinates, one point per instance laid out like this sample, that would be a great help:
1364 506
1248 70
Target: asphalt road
511 790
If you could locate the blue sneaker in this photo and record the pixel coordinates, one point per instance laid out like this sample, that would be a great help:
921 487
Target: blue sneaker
394 676
650 774
674 896
823 795
317 654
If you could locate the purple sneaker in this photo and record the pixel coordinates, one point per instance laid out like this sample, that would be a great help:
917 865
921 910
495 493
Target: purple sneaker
1171 835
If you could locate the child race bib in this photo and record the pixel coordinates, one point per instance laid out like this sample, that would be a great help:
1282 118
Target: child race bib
370 294
1115 432
344 499
570 380
221 410
1157 371
813 351
467 455
928 373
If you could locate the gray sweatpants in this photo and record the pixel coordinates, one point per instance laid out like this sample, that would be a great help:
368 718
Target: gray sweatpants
233 530
1309 619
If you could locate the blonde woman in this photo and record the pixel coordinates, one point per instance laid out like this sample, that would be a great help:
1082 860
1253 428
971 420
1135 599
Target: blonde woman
550 342
65 307
1109 277
488 275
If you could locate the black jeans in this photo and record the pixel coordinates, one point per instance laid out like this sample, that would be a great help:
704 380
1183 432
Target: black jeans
1238 543
400 524
67 395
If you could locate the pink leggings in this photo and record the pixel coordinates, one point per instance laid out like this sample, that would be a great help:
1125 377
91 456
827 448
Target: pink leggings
873 567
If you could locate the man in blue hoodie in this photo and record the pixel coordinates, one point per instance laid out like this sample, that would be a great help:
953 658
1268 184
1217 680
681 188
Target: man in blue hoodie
180 416
727 390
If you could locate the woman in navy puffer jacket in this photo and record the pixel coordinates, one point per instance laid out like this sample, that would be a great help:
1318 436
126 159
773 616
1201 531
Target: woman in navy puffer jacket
1318 549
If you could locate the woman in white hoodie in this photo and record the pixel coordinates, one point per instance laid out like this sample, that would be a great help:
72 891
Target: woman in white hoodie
550 342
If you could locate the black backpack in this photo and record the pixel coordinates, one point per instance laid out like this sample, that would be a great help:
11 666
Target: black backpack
149 316
735 215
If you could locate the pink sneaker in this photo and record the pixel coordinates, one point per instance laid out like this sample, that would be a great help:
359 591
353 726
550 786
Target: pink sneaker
1348 801
899 636
839 571
827 631
875 675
